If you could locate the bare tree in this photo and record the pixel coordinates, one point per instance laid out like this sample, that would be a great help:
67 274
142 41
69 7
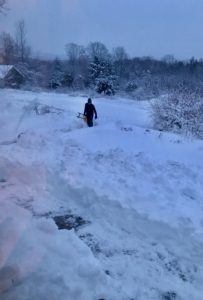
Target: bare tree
119 57
119 54
7 48
22 49
169 59
99 50
74 51
77 62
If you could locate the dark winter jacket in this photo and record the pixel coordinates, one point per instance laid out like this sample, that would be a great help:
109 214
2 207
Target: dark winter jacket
90 111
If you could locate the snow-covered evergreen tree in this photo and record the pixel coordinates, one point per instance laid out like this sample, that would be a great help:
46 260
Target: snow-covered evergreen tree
67 79
57 75
131 86
102 76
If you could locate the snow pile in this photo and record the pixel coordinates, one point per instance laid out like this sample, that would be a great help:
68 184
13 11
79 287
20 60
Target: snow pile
126 198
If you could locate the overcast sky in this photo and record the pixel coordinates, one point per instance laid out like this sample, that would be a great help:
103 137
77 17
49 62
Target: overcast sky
143 27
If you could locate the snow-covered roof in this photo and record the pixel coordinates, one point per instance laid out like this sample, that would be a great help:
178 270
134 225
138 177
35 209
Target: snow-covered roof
4 69
21 70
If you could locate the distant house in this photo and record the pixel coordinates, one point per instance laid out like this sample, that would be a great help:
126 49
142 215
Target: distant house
11 76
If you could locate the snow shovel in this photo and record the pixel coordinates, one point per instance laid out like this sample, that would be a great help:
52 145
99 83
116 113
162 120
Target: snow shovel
82 116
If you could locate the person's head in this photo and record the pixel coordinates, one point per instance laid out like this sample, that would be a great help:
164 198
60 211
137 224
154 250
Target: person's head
89 100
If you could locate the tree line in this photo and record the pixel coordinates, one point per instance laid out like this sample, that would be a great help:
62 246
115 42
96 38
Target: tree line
96 67
180 109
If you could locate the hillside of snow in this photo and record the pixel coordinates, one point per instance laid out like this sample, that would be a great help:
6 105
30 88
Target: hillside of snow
112 212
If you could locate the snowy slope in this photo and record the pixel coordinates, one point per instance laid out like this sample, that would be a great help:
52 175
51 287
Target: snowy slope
130 198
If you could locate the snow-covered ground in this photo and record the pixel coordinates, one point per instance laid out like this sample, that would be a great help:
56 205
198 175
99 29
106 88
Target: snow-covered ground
128 200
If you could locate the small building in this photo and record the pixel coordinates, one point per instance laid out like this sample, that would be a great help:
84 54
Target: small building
4 69
11 76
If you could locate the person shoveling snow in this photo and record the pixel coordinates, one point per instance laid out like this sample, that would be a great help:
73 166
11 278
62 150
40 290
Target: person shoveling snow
90 112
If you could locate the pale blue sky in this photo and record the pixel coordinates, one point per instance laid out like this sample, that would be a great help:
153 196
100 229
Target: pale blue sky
143 27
